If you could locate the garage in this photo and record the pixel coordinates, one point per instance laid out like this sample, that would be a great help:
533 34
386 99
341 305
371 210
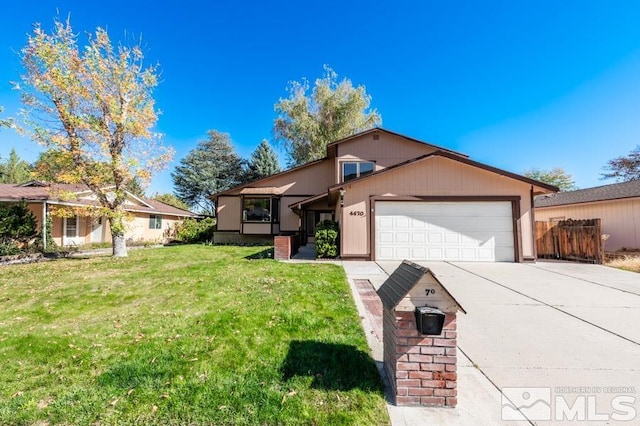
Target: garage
475 231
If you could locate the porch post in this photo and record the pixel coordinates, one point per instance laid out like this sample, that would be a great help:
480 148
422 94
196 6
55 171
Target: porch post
44 225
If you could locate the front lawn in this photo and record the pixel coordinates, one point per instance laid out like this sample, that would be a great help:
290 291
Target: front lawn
183 335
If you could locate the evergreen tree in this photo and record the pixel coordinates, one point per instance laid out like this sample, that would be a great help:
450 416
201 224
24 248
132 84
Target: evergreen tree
14 169
263 163
211 167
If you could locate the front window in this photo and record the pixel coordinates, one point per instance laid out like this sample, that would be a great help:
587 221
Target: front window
354 170
155 222
261 210
71 230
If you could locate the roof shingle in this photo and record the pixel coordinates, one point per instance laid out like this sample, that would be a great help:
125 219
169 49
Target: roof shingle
614 191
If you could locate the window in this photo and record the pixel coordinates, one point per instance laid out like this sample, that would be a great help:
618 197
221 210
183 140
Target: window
155 222
355 170
261 210
71 224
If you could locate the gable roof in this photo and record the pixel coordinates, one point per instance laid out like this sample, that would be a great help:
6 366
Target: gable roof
614 191
331 153
251 184
332 146
36 191
453 157
403 280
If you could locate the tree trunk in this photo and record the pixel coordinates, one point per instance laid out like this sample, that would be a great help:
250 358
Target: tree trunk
117 237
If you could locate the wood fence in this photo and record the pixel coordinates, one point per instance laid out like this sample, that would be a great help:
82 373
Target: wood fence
579 240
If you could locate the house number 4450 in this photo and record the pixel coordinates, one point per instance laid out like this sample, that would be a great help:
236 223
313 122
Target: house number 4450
356 213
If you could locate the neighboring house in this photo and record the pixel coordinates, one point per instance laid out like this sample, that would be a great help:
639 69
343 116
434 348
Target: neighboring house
152 220
394 198
617 205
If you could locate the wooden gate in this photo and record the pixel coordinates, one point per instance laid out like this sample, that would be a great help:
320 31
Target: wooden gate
579 240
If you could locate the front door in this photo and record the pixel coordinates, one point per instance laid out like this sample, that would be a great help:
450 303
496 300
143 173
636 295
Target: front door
313 217
96 230
70 229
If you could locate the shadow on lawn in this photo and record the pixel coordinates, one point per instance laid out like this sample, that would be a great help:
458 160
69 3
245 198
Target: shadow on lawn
333 366
264 254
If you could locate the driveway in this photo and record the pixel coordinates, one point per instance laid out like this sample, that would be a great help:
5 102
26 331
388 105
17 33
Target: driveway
570 331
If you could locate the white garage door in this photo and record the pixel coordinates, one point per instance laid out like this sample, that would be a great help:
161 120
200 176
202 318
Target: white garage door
466 231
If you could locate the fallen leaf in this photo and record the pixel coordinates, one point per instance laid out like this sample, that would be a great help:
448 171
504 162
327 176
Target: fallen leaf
130 392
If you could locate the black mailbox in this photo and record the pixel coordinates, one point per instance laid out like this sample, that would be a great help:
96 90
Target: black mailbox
429 320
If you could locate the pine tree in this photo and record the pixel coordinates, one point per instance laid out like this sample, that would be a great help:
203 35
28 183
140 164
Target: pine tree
14 169
263 163
211 167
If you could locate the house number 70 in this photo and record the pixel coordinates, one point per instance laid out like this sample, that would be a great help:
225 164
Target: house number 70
429 291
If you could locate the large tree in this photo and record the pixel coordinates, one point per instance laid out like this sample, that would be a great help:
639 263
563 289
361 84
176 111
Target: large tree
263 162
14 169
625 168
95 104
556 176
333 110
57 166
210 167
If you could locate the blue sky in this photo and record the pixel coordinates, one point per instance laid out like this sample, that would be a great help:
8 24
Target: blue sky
513 84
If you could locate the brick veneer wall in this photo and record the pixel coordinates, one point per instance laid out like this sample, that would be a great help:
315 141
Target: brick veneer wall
285 246
421 369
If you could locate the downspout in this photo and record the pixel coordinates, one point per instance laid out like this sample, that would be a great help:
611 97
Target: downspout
44 225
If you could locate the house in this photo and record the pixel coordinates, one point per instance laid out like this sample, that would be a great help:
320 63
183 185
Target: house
394 198
151 220
616 205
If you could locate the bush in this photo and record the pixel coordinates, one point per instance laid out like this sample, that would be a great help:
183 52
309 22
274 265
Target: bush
18 228
327 240
17 224
195 231
8 249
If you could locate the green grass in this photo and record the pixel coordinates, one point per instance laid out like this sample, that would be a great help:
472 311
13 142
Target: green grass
183 335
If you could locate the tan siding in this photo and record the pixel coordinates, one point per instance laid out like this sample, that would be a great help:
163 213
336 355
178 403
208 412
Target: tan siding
138 228
36 209
306 181
620 219
256 228
289 221
229 212
432 177
56 231
385 152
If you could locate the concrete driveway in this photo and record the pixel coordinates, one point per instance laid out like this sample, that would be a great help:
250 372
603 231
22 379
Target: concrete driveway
564 334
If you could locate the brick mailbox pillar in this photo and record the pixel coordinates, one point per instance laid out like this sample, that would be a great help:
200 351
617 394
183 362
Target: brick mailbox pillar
285 246
420 364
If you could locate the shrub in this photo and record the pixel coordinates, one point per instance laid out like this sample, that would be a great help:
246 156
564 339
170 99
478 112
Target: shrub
195 231
18 226
8 249
327 239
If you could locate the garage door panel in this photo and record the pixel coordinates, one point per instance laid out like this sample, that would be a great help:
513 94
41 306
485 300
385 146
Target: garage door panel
466 231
